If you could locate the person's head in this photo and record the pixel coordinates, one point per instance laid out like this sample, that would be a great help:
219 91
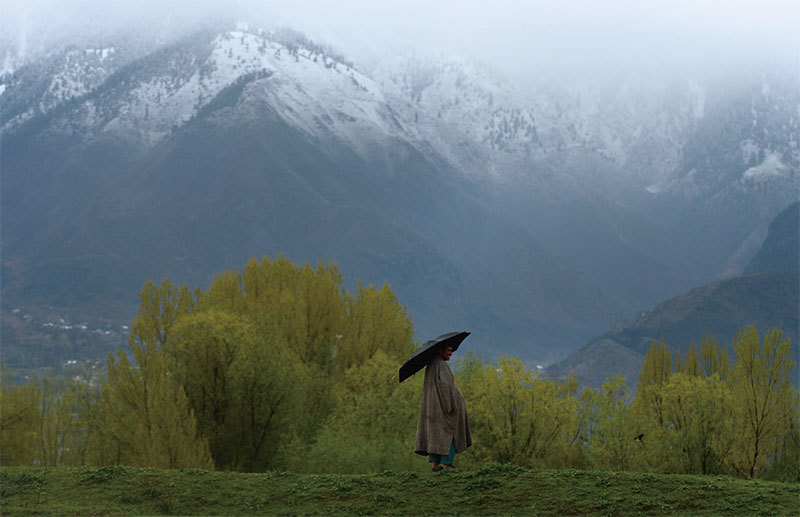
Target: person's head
446 351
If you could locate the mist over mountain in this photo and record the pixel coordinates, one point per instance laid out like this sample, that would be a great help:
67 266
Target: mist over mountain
781 248
766 295
535 215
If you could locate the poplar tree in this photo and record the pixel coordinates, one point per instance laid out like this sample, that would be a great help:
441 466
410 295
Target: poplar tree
516 416
269 384
373 426
656 370
713 358
303 304
150 421
19 408
58 421
696 436
242 385
691 364
611 446
375 321
762 394
203 348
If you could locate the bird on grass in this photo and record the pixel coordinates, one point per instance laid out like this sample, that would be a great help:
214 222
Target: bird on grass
639 438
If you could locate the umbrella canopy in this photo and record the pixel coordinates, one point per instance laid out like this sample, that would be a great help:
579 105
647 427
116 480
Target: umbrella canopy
428 351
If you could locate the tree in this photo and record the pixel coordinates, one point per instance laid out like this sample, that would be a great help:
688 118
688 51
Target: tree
375 321
325 328
611 444
242 385
713 358
786 457
762 394
19 407
690 364
656 370
516 416
149 419
305 305
586 422
203 348
42 422
374 424
269 390
696 432
58 423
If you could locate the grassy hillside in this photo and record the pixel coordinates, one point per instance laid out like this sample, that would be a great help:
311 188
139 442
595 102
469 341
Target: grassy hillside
495 489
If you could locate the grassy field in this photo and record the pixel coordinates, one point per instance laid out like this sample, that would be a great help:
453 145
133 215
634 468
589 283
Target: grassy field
493 490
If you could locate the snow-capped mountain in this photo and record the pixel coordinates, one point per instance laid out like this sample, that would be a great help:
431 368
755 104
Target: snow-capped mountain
61 77
147 98
644 126
536 214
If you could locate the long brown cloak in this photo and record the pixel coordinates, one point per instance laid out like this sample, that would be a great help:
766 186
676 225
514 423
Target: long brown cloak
442 412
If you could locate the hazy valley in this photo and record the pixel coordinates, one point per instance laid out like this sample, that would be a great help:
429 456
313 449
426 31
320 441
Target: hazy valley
538 216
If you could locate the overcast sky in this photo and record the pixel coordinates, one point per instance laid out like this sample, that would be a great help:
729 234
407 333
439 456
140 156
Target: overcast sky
511 33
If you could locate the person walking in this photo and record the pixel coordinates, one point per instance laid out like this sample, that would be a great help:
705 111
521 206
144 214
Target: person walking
443 426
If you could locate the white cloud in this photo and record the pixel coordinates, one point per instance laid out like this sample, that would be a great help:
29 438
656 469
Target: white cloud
534 33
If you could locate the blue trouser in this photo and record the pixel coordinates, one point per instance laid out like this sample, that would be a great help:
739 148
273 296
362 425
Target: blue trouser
444 459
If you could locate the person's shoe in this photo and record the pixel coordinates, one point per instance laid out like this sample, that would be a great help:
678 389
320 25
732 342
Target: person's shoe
436 469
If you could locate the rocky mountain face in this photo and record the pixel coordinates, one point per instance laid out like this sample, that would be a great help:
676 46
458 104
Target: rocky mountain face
640 169
781 248
532 216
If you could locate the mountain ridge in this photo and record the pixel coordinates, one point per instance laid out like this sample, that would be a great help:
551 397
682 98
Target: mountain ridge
768 295
234 143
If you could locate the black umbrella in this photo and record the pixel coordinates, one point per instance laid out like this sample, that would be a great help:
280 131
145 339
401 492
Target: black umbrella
428 351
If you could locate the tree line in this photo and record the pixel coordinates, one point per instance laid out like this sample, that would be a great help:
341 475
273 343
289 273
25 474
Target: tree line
701 412
277 366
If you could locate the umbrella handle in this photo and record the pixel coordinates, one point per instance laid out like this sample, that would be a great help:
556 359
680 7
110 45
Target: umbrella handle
395 375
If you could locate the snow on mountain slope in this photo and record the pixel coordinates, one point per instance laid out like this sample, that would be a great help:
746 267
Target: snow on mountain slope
636 138
636 124
43 85
748 135
145 100
645 127
480 121
474 118
311 88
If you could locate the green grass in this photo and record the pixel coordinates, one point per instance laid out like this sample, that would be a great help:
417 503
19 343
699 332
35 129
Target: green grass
492 490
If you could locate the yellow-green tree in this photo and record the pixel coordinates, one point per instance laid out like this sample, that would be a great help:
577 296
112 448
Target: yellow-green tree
43 422
373 425
516 415
242 385
785 464
586 421
203 348
303 304
714 358
269 388
19 410
374 321
611 445
304 307
150 422
696 435
762 396
656 370
58 422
